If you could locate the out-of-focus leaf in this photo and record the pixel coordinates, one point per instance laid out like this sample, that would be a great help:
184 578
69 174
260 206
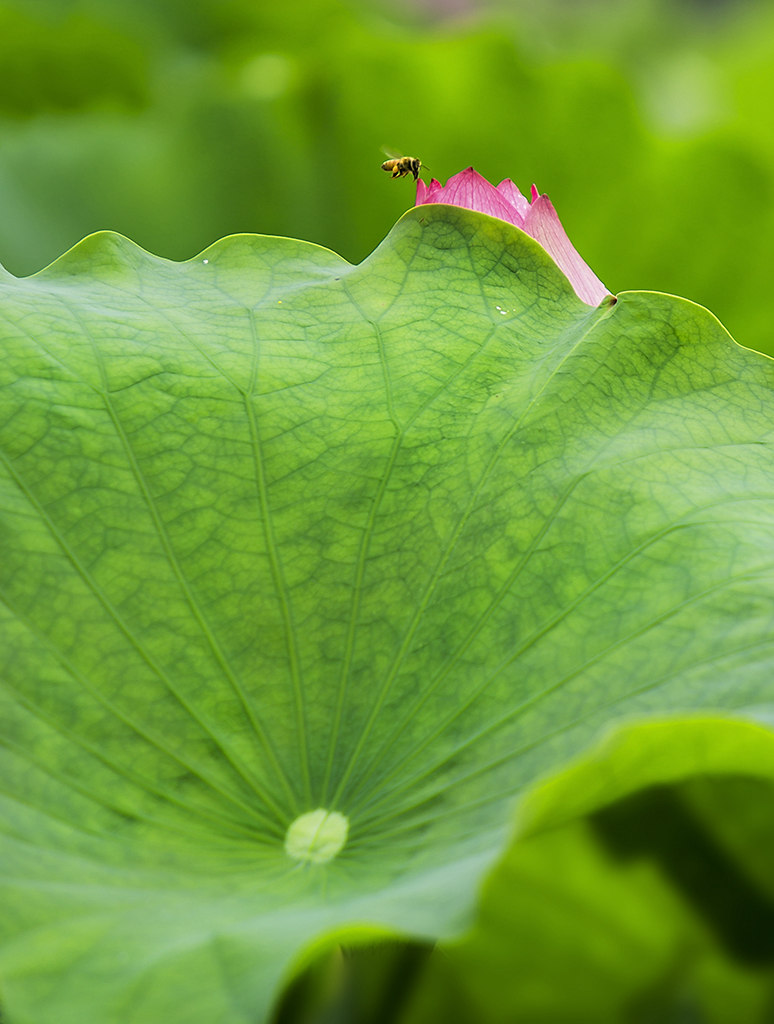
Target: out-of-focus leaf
644 908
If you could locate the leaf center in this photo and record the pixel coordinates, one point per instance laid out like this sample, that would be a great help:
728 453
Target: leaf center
317 836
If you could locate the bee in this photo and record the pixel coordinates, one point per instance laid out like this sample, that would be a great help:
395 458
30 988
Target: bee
400 166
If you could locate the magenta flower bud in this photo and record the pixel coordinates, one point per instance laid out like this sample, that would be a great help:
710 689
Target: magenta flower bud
537 218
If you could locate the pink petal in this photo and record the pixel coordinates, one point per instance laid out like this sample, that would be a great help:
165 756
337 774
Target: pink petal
511 195
428 193
470 190
474 192
542 222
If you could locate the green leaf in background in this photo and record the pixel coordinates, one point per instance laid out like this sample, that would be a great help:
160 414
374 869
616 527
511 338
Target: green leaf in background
391 541
640 889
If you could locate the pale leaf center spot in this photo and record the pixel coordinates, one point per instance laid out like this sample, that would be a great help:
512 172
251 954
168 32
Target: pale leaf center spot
317 836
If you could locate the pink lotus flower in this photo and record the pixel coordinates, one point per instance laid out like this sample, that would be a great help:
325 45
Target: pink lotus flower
537 218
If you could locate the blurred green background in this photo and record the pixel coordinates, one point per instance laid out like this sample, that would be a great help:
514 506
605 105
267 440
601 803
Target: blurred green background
178 121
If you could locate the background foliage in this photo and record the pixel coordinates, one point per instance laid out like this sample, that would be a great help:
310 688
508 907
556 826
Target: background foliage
176 123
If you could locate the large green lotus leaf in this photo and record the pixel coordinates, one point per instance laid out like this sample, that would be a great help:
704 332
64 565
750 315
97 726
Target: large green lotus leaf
392 540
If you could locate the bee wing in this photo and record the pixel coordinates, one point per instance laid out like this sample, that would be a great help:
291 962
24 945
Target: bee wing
393 154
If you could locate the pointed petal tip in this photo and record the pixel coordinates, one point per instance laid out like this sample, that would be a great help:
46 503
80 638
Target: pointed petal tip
543 224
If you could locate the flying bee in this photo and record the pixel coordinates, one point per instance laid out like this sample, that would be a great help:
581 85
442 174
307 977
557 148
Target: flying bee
400 166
